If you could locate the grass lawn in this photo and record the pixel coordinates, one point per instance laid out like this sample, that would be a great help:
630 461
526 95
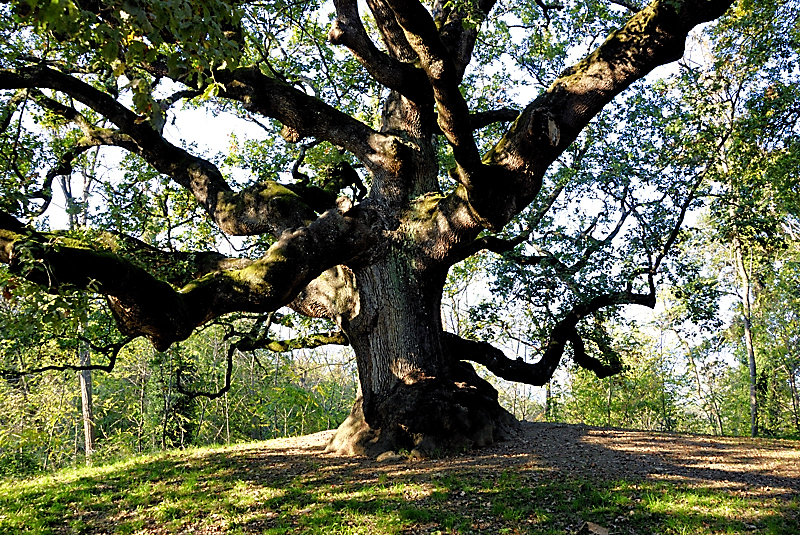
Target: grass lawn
266 488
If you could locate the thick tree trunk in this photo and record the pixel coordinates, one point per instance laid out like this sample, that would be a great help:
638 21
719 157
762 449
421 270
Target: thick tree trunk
414 395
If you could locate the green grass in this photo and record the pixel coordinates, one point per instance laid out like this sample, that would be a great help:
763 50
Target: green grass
253 489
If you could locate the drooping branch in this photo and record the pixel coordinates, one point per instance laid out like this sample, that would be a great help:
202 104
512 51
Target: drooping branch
264 207
495 361
144 305
540 372
587 362
63 167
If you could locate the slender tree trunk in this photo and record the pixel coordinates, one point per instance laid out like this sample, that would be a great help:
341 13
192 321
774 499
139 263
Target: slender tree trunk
226 408
548 403
709 405
87 412
200 422
717 414
167 384
748 334
140 423
795 397
77 219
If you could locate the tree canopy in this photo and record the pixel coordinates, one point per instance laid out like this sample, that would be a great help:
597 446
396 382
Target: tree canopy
395 140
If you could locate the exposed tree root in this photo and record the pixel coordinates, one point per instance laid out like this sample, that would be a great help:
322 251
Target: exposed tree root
429 418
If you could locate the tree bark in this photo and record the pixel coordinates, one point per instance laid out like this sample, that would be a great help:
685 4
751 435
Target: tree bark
415 395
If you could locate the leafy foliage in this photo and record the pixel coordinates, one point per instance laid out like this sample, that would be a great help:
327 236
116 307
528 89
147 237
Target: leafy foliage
714 139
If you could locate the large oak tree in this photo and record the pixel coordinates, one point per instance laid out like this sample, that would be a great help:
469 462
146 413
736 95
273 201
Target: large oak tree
443 181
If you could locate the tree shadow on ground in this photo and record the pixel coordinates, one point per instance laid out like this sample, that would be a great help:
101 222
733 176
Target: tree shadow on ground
551 480
766 467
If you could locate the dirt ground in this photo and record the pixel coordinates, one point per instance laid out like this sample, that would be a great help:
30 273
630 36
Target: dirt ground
760 475
758 466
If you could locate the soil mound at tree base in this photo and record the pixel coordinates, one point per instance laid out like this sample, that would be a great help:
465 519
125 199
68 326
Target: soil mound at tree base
738 463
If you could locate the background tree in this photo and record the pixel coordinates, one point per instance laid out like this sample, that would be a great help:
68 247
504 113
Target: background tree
416 120
753 206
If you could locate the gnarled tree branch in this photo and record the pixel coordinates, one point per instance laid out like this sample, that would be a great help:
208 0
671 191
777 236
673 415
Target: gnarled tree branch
264 207
539 373
144 305
438 64
654 36
403 77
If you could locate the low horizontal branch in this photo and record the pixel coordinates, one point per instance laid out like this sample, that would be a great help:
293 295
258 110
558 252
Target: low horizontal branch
498 363
145 305
249 344
309 341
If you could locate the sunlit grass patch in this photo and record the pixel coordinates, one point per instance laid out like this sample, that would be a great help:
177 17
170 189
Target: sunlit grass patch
246 494
703 510
245 490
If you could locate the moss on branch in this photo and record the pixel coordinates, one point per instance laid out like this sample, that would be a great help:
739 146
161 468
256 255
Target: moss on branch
145 305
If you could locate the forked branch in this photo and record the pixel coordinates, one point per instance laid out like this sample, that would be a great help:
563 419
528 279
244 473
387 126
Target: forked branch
453 112
403 77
